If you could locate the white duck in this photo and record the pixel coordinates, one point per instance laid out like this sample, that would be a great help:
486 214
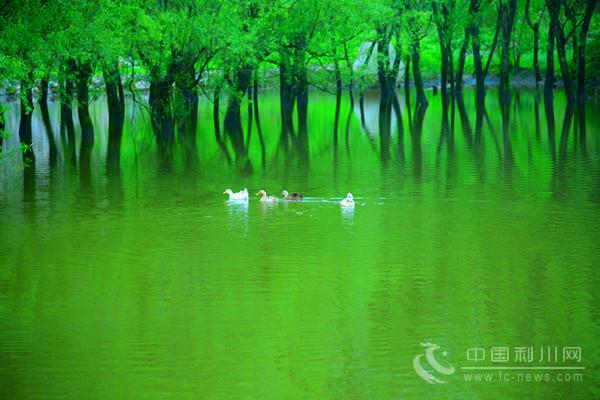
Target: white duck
348 201
266 199
241 195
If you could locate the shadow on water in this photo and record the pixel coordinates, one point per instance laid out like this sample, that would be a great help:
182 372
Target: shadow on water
28 155
67 127
496 142
400 128
114 183
385 121
235 134
217 126
416 134
447 138
507 153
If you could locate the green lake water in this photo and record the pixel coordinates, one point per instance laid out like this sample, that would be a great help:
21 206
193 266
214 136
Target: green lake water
141 282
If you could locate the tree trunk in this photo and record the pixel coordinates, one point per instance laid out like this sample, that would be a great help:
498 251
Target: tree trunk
444 75
383 62
536 49
160 106
257 119
52 152
507 18
84 74
549 80
301 88
302 99
338 99
25 130
286 93
116 116
184 73
590 7
479 76
407 74
461 63
421 98
554 7
66 120
233 117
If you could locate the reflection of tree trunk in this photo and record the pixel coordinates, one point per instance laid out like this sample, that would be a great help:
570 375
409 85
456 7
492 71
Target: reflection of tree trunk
464 119
261 139
160 106
26 139
233 127
446 74
29 185
348 120
361 106
52 153
249 123
1 130
66 120
116 115
25 130
566 127
549 109
184 74
302 100
217 125
407 76
537 115
507 151
233 119
582 130
338 100
400 127
407 89
301 91
416 134
84 73
385 120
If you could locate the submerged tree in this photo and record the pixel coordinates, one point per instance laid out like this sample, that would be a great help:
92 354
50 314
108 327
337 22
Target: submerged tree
417 22
534 24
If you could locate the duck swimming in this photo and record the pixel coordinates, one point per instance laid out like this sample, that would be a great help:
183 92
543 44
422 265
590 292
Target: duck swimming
241 195
266 199
348 202
292 196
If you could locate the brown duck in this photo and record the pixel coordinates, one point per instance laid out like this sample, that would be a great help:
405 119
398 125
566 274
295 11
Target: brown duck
292 196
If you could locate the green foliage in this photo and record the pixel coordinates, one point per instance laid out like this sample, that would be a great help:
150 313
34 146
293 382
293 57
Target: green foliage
206 42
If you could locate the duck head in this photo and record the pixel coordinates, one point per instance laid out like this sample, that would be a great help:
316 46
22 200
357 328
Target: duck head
261 193
349 197
285 193
228 191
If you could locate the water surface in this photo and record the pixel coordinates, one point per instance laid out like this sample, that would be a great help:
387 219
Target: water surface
140 281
